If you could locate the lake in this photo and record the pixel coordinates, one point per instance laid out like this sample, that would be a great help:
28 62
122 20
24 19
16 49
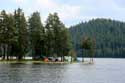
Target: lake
103 71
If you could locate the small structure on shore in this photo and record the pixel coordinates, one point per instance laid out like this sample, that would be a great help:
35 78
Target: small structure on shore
46 59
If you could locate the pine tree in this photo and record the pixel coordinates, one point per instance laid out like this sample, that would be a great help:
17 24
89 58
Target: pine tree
37 34
65 43
89 45
3 31
57 36
22 33
10 34
49 36
7 33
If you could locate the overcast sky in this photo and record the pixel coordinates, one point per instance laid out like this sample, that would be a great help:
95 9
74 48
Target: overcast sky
70 11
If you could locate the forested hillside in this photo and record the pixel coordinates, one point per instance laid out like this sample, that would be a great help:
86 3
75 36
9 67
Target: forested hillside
109 36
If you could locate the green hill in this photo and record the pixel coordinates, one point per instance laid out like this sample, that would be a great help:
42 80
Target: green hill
109 35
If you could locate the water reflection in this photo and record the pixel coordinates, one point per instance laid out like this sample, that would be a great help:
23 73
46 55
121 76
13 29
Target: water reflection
103 71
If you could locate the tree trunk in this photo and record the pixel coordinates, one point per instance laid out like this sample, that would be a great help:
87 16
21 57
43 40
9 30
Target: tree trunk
7 51
84 52
71 59
62 58
4 53
20 57
82 59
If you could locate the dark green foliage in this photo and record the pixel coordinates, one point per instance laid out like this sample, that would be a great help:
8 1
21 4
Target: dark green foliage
37 35
57 37
109 36
20 38
21 32
73 55
7 34
88 44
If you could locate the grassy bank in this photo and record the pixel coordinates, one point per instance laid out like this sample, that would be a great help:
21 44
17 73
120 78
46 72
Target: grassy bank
27 61
31 61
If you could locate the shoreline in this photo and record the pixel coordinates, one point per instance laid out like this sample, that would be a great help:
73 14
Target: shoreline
29 62
40 62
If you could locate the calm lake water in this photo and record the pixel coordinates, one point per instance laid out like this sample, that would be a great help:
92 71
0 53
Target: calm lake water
103 71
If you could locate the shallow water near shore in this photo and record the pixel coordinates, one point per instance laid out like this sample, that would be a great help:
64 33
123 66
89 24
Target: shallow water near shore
102 71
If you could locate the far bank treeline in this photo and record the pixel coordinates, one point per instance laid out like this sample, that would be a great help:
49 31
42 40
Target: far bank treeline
109 35
20 37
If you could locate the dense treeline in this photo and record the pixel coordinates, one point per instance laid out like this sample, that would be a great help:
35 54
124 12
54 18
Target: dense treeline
109 36
22 37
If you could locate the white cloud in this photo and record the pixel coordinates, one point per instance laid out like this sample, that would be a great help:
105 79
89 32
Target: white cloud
19 2
72 12
46 3
69 12
66 12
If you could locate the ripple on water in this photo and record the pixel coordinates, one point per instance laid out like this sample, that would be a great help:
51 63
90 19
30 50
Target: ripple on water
103 71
